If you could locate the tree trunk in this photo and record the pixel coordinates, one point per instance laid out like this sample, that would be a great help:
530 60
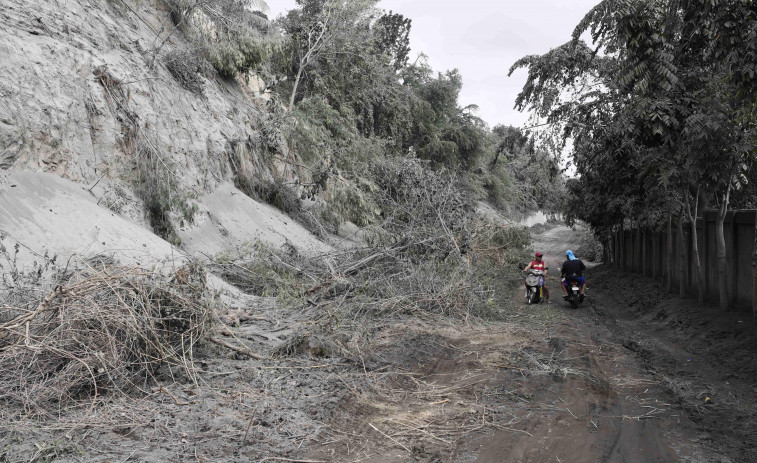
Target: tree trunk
637 250
611 250
681 257
669 255
295 85
722 257
695 245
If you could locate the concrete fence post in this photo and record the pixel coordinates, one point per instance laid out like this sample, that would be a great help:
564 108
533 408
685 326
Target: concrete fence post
654 255
644 251
754 267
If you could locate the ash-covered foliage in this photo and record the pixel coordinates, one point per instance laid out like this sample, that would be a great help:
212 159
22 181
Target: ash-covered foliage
424 204
426 254
189 70
157 184
234 36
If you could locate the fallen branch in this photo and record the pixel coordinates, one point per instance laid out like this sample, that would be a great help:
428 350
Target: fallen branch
389 437
244 351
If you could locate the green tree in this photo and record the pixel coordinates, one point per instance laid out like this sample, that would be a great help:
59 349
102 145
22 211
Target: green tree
235 36
323 27
661 81
392 31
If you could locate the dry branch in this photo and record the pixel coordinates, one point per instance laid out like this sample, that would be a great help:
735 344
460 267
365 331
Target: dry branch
101 331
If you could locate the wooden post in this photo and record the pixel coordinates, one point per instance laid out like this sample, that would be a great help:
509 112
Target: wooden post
754 268
704 255
637 250
654 255
621 248
722 250
734 276
644 252
669 255
606 251
690 255
681 257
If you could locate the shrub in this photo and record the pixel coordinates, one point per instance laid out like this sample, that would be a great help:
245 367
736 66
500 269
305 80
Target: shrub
351 201
188 68
259 269
158 186
426 206
279 195
271 128
275 193
232 37
589 248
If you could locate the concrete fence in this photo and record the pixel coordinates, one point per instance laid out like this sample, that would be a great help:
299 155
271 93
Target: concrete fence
646 252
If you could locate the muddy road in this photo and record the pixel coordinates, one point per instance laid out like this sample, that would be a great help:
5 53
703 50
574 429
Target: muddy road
622 379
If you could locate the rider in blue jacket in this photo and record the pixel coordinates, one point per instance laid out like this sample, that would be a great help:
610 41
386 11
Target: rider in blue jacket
572 267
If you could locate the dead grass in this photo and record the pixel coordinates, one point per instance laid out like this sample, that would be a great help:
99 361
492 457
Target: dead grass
105 330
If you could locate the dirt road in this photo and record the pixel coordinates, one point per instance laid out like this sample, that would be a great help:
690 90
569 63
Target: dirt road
631 376
608 382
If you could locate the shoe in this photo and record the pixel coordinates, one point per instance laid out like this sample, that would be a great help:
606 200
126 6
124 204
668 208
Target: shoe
581 298
565 298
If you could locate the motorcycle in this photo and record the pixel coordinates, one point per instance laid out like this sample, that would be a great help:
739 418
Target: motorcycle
534 286
574 287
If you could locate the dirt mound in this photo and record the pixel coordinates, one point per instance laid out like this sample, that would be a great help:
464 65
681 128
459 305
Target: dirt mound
231 219
51 216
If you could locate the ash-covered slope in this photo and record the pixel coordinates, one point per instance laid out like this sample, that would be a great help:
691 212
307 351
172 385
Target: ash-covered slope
77 75
86 95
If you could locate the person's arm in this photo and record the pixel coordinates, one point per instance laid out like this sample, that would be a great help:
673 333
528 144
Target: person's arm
583 267
528 267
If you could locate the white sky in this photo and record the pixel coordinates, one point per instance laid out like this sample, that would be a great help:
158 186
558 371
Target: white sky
483 38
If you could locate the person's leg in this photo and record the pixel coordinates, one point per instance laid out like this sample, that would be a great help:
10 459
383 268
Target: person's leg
581 289
546 294
564 286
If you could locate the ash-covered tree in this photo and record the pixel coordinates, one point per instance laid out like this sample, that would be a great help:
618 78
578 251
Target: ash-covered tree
392 31
319 30
352 58
235 36
665 100
527 175
442 131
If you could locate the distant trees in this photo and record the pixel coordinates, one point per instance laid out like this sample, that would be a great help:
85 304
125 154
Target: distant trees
346 92
356 58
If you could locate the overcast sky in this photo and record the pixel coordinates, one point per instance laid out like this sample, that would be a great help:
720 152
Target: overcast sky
483 38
